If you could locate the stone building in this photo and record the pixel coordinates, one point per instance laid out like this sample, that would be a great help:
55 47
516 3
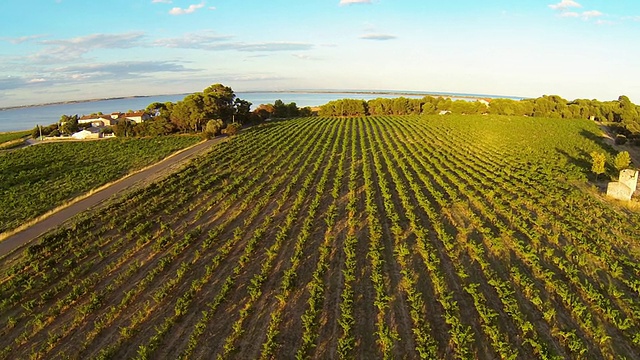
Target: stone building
624 188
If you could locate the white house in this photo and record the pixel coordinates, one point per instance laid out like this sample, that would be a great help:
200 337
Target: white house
113 118
138 116
88 133
486 102
98 120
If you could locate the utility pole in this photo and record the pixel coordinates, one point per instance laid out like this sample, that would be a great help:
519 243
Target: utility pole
40 128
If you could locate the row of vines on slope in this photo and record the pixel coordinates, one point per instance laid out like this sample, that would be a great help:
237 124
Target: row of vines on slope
382 237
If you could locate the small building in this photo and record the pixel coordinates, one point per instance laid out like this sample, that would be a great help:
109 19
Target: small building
485 102
98 120
88 133
137 117
113 118
626 185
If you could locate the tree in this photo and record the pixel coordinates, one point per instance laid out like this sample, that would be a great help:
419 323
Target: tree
503 107
156 108
597 166
622 160
629 115
35 133
123 128
218 102
292 110
264 111
242 109
157 126
213 128
232 129
343 107
305 112
69 124
279 109
190 113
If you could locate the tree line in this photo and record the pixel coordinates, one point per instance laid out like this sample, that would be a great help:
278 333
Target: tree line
622 112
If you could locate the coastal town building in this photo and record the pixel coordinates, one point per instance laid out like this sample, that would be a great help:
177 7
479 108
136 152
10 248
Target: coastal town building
88 133
113 118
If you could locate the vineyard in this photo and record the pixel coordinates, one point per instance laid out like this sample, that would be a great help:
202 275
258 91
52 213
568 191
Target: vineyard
38 178
381 237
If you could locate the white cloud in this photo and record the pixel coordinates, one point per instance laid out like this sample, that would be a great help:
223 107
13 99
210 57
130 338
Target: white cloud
161 1
569 14
565 4
118 70
264 46
563 11
379 37
208 40
191 9
349 2
591 14
12 82
22 39
200 40
604 22
251 77
72 49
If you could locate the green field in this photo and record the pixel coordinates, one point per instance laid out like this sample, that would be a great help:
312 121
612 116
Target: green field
10 140
381 237
10 136
38 178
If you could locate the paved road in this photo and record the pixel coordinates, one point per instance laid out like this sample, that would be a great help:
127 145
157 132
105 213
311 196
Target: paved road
147 175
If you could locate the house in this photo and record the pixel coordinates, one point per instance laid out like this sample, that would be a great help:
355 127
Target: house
88 133
88 119
486 102
98 120
137 117
113 118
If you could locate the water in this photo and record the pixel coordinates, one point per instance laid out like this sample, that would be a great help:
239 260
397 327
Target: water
27 118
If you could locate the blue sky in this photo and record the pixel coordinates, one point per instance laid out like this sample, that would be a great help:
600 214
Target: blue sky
56 50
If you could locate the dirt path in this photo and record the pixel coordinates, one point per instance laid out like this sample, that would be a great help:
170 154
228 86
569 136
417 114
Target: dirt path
145 176
634 152
609 138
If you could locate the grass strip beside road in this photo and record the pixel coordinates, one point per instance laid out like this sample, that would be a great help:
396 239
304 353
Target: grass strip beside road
38 179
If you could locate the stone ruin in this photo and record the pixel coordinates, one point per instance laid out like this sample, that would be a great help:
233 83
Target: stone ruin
624 188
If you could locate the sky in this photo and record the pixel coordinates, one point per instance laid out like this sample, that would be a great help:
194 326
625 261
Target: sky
60 50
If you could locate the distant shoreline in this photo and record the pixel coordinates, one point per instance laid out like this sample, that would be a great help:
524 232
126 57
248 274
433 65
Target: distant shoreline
350 92
80 101
385 92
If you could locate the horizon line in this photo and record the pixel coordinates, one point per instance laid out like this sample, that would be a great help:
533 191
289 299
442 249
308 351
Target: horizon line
286 91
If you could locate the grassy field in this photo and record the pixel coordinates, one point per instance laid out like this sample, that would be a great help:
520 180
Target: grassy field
383 237
38 178
11 136
10 140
